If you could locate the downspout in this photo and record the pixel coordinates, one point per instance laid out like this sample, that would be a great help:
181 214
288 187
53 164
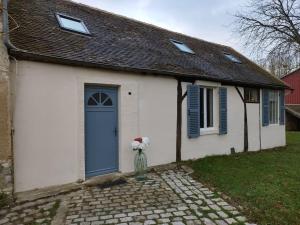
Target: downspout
246 144
9 46
7 42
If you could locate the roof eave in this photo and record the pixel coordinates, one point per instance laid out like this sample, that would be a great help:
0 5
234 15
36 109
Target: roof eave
185 77
293 112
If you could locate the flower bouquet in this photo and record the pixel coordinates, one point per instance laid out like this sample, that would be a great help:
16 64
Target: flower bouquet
140 160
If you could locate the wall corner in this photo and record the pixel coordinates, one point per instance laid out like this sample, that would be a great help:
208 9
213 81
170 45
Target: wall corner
6 174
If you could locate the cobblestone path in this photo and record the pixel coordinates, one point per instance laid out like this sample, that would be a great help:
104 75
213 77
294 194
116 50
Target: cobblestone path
171 197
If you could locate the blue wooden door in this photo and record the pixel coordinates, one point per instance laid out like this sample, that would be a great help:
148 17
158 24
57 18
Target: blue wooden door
101 130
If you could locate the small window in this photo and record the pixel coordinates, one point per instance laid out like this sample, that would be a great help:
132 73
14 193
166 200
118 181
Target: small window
251 95
72 24
100 99
182 47
232 58
206 108
273 107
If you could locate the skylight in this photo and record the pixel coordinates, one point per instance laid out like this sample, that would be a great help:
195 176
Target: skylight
182 47
232 58
72 24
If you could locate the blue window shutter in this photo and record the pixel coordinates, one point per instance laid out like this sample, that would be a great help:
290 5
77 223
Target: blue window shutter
265 107
223 110
193 111
282 108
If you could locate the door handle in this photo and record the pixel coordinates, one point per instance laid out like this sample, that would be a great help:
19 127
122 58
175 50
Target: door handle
116 131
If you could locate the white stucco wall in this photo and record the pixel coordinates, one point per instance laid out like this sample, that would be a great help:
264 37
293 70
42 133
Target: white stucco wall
215 144
49 122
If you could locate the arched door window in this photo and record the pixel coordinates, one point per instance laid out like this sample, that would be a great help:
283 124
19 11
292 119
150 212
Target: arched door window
100 99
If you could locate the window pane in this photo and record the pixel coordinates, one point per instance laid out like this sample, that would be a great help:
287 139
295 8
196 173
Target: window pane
96 97
91 101
108 102
274 107
271 113
72 24
251 95
182 47
201 108
232 58
209 107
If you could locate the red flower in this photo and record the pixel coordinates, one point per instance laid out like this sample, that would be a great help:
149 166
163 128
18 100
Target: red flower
139 139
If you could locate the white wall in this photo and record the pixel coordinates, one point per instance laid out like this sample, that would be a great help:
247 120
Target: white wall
215 144
49 122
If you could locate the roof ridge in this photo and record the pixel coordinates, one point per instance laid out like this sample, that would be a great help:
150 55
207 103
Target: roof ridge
290 73
145 23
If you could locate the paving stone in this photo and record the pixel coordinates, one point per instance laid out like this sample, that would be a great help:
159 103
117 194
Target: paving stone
190 217
170 197
97 223
215 207
178 223
230 220
241 218
149 222
179 213
221 222
126 219
111 221
213 216
222 214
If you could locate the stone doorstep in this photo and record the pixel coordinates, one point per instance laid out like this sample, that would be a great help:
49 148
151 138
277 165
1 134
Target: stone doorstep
41 193
56 190
107 178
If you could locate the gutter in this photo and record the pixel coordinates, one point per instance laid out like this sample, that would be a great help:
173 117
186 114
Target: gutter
184 77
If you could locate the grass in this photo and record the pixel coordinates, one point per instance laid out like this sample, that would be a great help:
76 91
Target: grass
266 184
54 209
4 200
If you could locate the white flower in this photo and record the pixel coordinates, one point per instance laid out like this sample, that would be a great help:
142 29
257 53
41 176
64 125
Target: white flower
146 141
135 145
142 146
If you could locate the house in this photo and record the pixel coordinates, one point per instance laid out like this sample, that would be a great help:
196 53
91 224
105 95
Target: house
292 101
85 83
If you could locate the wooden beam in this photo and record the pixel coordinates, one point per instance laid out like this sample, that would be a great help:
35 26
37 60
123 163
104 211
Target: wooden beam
246 144
179 121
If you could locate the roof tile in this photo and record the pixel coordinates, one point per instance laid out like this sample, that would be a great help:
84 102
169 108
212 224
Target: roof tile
119 42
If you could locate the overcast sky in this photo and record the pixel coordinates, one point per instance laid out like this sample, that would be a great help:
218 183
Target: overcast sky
206 19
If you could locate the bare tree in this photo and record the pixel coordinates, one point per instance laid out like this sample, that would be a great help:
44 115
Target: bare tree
280 65
272 28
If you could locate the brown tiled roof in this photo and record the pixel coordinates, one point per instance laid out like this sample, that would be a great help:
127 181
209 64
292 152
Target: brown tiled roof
294 110
120 43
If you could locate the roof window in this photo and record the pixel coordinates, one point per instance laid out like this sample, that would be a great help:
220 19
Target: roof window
182 47
72 24
232 58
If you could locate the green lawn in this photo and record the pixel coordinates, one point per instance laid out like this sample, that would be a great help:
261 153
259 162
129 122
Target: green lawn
266 184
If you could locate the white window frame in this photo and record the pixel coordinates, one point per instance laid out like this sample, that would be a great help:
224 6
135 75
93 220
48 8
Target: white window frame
59 16
182 46
205 129
275 111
